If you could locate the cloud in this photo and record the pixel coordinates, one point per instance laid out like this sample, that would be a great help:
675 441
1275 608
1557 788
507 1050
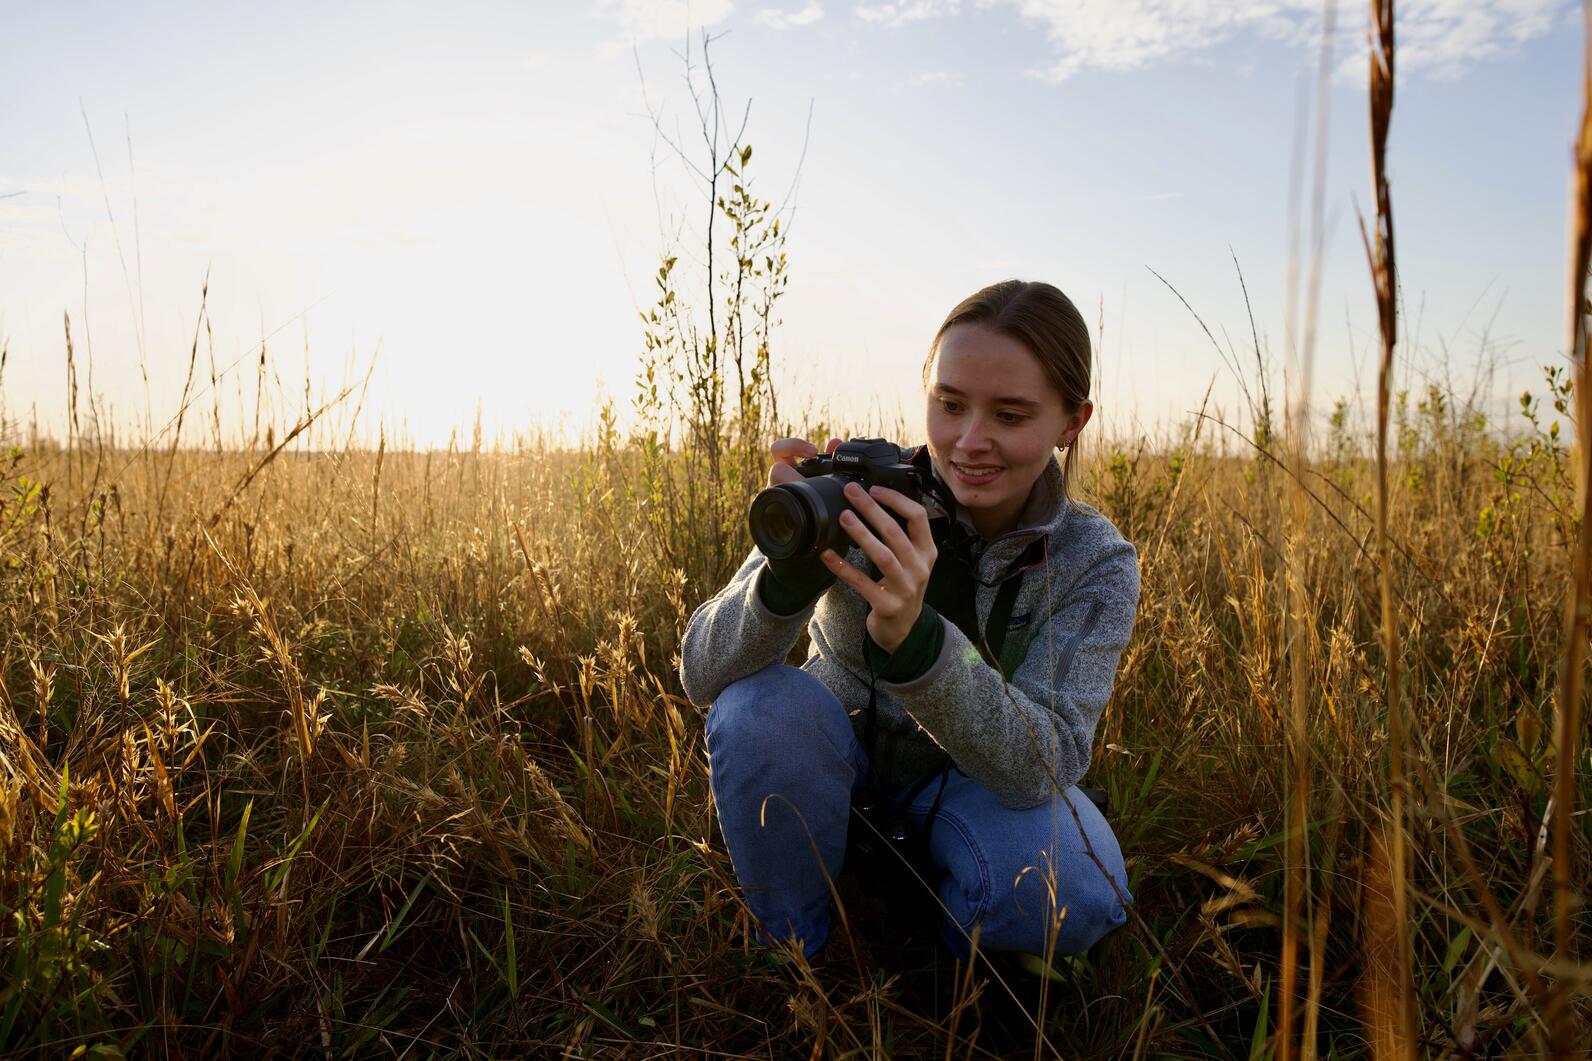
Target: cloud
1445 37
781 19
904 12
663 18
931 77
1438 38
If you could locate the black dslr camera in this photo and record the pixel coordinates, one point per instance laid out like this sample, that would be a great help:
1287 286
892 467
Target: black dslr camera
882 847
800 519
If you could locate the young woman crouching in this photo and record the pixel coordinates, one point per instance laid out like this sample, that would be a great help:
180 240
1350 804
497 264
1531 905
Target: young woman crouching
987 655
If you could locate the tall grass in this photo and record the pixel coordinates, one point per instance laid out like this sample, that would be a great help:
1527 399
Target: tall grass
380 751
1389 965
1569 708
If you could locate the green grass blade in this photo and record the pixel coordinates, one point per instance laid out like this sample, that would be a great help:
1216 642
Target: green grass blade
396 929
279 872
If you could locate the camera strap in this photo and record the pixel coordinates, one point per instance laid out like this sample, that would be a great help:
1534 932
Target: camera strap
989 646
1000 617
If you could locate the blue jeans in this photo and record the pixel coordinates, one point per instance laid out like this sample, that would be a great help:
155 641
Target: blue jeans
784 763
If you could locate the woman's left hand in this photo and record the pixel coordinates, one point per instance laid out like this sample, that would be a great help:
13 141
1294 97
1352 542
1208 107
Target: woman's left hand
904 559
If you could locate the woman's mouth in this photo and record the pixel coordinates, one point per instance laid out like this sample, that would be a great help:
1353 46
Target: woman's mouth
976 474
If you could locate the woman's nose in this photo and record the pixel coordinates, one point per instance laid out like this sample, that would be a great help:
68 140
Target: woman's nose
974 436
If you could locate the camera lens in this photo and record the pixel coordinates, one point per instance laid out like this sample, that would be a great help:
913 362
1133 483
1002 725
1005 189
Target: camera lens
799 519
780 523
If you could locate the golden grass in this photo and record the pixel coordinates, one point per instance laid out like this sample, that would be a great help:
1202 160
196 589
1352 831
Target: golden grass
387 754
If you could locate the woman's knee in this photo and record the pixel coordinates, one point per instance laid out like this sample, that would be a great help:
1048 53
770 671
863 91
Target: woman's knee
1081 877
1028 875
1091 904
777 709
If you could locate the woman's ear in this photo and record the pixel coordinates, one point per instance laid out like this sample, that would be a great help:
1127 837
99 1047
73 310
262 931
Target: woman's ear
1075 424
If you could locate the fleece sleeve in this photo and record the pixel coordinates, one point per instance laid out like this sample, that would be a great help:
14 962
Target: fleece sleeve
735 633
1033 736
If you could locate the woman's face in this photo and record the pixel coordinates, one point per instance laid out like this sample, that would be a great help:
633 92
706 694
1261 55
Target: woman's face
994 419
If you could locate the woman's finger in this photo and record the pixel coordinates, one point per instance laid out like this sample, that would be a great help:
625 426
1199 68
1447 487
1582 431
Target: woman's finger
916 515
857 579
879 519
779 472
883 557
791 450
786 453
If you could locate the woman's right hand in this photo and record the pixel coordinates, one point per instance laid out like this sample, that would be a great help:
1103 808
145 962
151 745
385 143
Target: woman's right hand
787 452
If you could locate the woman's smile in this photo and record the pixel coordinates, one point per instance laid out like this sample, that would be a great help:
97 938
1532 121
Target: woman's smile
976 474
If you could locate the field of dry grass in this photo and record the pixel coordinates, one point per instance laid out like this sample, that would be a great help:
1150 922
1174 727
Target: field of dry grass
367 753
314 749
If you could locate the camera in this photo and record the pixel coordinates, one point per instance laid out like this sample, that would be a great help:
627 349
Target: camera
800 519
882 847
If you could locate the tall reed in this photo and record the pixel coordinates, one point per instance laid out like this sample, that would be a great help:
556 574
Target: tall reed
1391 1007
1578 603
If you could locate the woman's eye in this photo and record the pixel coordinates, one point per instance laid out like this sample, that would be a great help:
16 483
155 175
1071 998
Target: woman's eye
1012 418
949 406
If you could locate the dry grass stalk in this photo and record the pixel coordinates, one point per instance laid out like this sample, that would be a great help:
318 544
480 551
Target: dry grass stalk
1578 603
1298 628
1384 275
1382 989
183 402
375 486
303 711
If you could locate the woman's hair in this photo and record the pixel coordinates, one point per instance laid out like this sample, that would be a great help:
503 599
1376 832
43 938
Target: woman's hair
1046 322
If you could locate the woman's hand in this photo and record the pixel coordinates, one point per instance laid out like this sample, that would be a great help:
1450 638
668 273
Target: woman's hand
904 559
787 452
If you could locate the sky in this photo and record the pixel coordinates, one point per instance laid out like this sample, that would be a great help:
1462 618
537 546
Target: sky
476 195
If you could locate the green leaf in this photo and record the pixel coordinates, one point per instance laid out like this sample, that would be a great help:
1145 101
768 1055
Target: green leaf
1456 950
279 872
1257 1039
395 929
60 808
603 1013
235 859
508 939
1150 776
1528 728
1509 756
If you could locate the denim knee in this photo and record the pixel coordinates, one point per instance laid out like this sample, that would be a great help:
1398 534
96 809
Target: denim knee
783 762
1089 904
1026 876
773 713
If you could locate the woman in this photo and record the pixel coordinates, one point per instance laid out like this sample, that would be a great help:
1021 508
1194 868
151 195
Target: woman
963 677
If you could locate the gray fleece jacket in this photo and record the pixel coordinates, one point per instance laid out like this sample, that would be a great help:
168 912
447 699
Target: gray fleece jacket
1023 739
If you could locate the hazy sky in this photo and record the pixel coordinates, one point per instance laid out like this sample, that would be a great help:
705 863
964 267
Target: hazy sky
476 188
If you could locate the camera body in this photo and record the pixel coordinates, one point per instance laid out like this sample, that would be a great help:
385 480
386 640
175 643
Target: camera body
800 519
871 462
